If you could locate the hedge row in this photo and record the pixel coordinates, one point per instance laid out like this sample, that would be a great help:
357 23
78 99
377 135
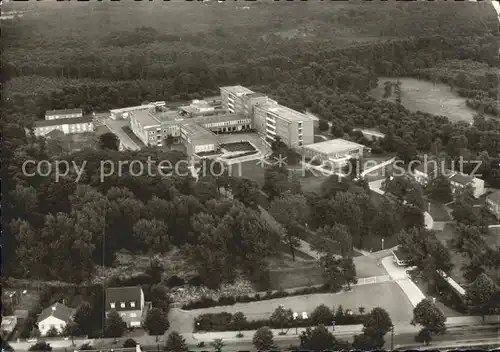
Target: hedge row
207 302
224 322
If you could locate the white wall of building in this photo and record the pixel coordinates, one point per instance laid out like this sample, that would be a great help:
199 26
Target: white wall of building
46 324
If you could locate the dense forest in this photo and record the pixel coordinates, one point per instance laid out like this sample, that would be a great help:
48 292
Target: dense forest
107 55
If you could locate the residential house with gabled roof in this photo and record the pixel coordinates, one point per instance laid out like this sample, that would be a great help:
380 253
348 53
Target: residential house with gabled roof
493 203
129 303
56 316
459 181
424 173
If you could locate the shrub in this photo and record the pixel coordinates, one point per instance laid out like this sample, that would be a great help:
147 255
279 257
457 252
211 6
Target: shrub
129 343
175 281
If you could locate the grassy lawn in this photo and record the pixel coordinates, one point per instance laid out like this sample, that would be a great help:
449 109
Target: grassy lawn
439 213
447 311
387 295
458 260
437 99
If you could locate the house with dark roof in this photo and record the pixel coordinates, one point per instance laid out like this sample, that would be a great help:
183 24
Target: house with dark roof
63 114
129 303
493 203
459 181
400 258
56 316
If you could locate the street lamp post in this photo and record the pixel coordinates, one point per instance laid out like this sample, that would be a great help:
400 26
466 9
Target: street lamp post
382 243
392 337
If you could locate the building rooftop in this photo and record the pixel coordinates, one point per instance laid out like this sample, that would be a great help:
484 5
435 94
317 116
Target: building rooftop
57 310
217 118
237 90
132 108
463 179
333 146
194 130
256 95
284 112
167 116
400 255
495 196
123 294
63 112
65 121
146 118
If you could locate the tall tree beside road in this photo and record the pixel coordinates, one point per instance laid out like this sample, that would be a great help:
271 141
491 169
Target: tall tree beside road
156 322
292 211
425 253
348 271
377 323
281 316
238 320
83 318
263 339
322 315
109 140
427 314
115 326
480 296
175 343
319 339
218 345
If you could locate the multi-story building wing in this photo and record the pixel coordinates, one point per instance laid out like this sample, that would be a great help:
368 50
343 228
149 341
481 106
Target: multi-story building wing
147 127
274 120
233 98
66 125
198 139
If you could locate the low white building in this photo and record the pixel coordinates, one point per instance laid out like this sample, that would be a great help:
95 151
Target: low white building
337 151
56 316
459 181
67 125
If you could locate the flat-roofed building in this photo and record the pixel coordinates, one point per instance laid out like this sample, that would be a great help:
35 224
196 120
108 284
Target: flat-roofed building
124 113
232 98
63 114
493 203
294 128
146 127
335 150
67 125
198 139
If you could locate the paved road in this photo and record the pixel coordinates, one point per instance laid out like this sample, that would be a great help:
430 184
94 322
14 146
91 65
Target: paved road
399 274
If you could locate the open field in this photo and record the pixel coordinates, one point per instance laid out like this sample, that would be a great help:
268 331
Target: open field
387 295
437 99
458 260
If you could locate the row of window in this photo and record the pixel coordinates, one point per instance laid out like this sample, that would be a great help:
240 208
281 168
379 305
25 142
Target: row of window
122 305
226 123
